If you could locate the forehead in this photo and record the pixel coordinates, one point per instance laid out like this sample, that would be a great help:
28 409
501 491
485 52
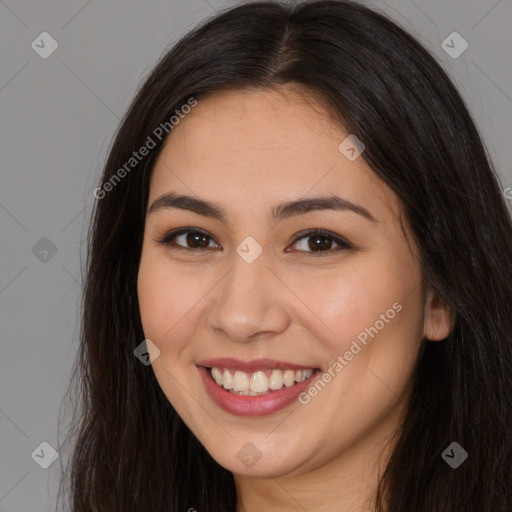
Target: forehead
257 146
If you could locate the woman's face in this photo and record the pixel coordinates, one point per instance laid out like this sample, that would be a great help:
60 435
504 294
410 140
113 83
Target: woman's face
318 332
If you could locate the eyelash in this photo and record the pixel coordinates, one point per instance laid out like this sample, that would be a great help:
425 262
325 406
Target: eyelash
341 242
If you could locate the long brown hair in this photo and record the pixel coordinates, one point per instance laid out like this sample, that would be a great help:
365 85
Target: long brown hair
131 451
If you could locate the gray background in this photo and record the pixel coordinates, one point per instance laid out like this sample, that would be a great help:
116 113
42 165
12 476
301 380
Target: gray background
58 116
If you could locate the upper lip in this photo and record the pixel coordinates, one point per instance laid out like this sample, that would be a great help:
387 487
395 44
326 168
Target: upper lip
251 366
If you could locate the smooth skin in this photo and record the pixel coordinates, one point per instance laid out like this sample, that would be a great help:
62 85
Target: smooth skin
248 151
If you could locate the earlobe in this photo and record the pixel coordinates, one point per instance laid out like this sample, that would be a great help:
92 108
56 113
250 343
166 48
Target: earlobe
438 318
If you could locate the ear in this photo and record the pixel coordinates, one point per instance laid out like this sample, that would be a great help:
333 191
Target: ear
438 318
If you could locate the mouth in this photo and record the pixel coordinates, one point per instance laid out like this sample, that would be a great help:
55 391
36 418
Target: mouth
261 382
254 388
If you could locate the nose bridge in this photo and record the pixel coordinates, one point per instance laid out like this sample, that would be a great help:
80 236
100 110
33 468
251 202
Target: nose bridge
246 303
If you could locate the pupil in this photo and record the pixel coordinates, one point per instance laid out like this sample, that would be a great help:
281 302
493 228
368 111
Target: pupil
319 242
199 238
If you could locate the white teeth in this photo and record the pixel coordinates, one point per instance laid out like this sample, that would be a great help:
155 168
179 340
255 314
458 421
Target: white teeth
289 378
227 380
241 381
257 383
275 381
217 375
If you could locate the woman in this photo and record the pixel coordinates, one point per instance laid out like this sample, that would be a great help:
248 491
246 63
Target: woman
299 289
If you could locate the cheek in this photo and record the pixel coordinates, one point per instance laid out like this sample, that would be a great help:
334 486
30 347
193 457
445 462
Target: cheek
166 304
378 326
166 301
375 315
361 297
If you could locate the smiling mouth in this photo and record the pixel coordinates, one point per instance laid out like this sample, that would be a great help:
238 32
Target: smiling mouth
262 382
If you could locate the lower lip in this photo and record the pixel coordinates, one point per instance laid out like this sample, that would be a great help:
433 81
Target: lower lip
253 405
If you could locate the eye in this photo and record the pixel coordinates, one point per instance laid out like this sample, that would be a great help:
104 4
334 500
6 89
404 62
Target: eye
188 238
320 241
317 241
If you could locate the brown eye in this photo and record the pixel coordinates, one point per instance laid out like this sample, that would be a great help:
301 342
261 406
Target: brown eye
188 238
314 241
197 240
320 241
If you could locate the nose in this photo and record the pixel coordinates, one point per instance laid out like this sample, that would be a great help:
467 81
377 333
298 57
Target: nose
249 302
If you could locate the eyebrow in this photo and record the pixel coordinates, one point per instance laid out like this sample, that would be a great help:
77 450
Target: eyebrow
279 212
